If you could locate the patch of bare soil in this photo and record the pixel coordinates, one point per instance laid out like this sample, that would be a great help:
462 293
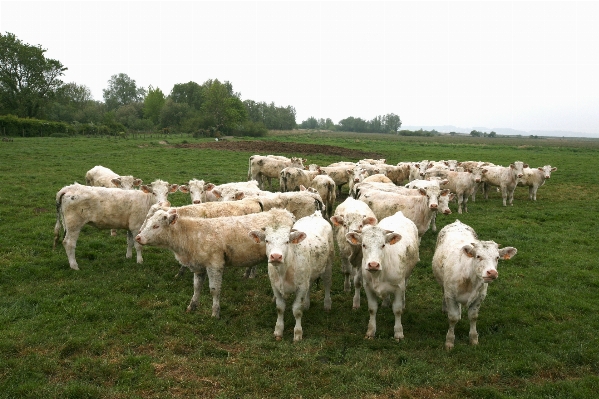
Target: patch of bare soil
279 148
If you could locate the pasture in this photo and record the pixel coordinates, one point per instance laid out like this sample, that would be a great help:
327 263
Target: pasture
118 329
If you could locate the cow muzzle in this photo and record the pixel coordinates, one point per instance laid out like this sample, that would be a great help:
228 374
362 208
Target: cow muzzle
275 258
373 267
138 239
447 212
490 275
434 206
197 202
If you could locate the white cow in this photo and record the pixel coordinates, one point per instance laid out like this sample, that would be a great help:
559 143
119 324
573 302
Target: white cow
535 178
463 184
463 265
207 246
291 178
326 188
340 173
100 176
397 173
297 256
351 215
300 203
389 254
418 208
269 167
208 192
105 208
506 178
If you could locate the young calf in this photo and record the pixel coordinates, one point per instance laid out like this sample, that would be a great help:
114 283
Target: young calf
535 178
463 265
389 254
296 257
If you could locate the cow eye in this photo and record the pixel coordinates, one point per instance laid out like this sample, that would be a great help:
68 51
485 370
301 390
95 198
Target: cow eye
383 246
266 241
478 257
364 246
155 226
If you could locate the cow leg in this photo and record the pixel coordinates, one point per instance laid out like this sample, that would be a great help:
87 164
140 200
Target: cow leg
357 287
372 309
302 297
346 268
132 243
113 232
398 306
280 304
473 317
453 314
511 195
198 281
215 280
70 243
465 202
250 272
433 224
327 278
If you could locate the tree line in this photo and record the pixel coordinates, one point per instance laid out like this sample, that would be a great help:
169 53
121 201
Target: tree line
31 88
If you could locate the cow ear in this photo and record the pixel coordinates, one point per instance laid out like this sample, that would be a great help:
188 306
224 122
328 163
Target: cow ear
354 238
369 221
445 191
216 193
392 238
116 181
296 237
184 189
422 191
539 168
507 252
485 171
468 250
257 235
337 220
146 189
553 169
525 165
512 166
302 188
239 195
443 182
173 188
137 182
172 218
209 186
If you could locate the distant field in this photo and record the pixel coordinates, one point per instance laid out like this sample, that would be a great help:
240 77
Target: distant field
116 329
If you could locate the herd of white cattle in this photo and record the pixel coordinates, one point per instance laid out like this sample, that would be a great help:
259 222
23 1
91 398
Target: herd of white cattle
377 229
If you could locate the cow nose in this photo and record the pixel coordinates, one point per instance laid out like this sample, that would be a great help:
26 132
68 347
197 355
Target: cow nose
197 201
520 175
547 177
477 180
356 180
492 274
276 258
138 238
374 266
447 212
433 206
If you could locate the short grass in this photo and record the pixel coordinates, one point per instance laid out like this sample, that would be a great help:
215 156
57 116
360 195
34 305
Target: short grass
116 329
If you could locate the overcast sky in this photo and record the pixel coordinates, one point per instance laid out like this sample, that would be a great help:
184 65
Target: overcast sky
506 64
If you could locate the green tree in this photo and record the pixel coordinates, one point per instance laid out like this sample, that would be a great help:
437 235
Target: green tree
189 93
122 90
222 107
173 114
153 104
492 134
392 123
28 80
475 133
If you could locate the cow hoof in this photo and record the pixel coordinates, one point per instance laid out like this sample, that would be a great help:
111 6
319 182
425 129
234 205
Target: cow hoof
74 267
277 338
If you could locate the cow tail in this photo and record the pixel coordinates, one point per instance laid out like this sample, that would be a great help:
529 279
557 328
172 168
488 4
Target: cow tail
59 220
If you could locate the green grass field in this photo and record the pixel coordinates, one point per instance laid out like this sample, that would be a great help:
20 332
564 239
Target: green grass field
117 329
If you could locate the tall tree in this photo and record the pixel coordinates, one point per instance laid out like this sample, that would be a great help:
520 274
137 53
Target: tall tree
153 104
189 93
122 90
222 106
27 78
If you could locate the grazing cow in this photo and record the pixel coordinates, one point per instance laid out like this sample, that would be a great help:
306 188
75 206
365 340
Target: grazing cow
463 184
463 265
206 246
105 208
297 256
269 167
99 176
293 178
299 203
325 187
535 178
389 254
506 178
351 215
418 208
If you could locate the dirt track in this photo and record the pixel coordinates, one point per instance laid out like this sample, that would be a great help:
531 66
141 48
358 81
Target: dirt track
278 148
